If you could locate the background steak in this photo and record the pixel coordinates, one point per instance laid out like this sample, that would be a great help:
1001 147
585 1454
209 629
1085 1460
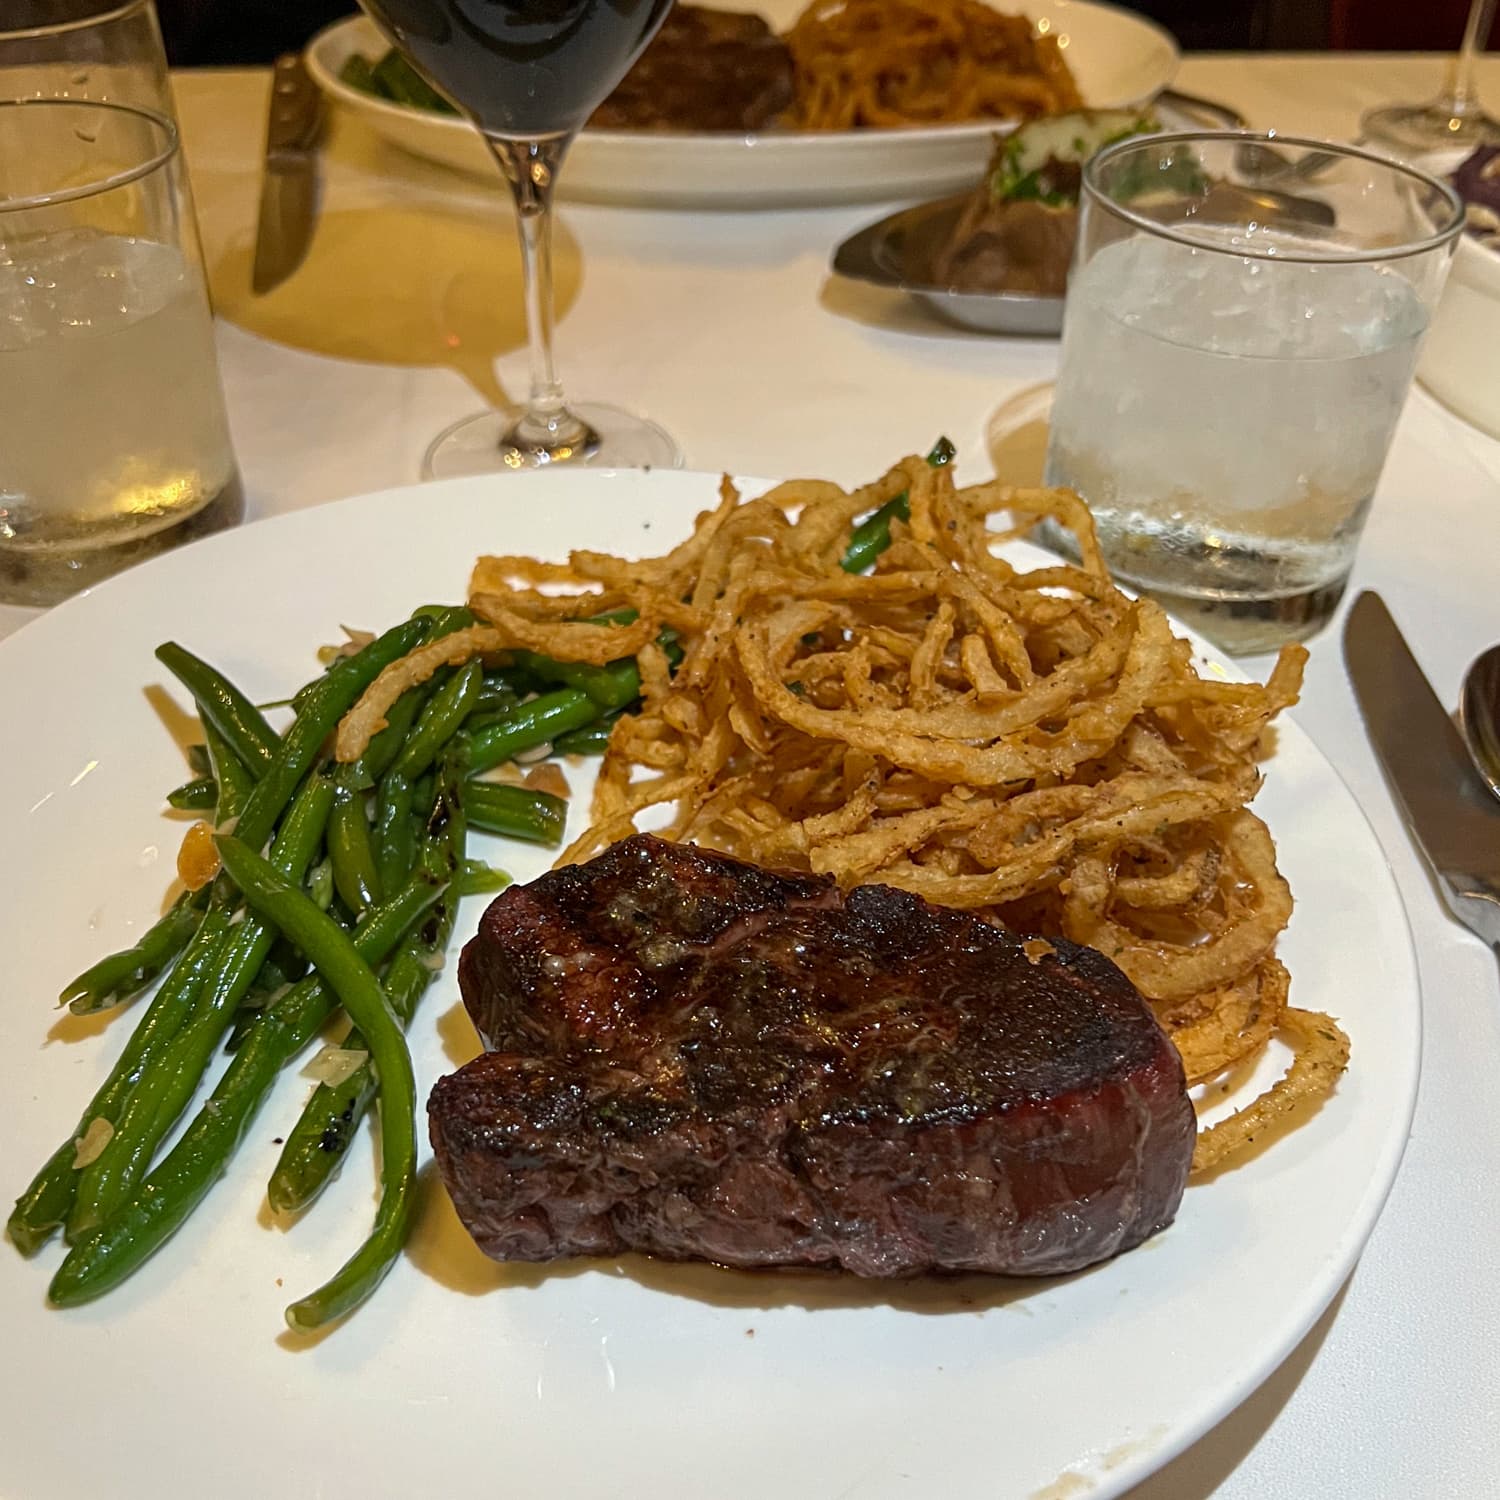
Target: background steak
697 1058
705 70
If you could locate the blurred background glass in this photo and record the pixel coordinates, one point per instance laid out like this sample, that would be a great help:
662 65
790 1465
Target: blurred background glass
1454 118
113 439
1242 325
84 49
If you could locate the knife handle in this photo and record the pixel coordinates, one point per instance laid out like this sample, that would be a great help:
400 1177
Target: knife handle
296 106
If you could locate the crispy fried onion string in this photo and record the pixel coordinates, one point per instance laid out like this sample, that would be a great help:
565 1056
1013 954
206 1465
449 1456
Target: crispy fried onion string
1035 746
1320 1055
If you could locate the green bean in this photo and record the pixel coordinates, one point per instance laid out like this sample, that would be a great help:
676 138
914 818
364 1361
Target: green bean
441 718
446 828
316 1145
180 1181
441 619
224 706
495 697
592 739
421 796
352 980
273 975
426 616
396 79
43 1208
610 687
446 618
46 1203
164 1089
380 754
358 74
671 645
233 779
120 976
320 884
423 790
246 1019
333 695
395 846
532 724
476 878
197 795
350 849
516 812
322 1135
277 975
873 535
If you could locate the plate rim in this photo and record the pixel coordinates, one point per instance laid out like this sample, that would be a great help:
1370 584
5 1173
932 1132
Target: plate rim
737 140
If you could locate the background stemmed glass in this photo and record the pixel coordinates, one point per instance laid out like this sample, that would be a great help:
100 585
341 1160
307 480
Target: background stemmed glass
1455 118
527 74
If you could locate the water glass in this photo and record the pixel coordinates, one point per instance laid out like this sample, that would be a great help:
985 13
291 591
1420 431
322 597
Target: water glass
113 438
1243 321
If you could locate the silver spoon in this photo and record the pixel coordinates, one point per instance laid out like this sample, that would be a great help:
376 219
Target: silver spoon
1259 162
1479 716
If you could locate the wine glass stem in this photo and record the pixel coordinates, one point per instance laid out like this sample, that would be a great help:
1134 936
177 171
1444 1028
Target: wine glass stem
1461 97
531 168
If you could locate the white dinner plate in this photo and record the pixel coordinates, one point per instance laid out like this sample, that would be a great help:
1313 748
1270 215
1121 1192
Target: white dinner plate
624 1379
1118 59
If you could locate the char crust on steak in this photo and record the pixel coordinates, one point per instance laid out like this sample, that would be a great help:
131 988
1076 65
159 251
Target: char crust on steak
704 70
697 1058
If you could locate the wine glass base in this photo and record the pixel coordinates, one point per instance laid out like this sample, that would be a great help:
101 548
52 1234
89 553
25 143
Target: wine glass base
486 444
1429 127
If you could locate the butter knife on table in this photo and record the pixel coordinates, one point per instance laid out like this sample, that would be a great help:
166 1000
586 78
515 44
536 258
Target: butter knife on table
1447 809
289 183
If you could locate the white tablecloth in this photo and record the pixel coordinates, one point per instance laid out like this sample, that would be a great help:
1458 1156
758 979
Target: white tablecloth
727 329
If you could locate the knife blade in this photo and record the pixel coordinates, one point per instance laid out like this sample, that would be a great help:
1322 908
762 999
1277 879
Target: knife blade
1449 812
289 183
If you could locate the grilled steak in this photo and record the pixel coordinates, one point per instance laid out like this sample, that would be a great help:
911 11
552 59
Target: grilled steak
704 70
698 1058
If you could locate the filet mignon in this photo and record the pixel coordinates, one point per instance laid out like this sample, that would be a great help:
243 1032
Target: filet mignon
705 69
698 1058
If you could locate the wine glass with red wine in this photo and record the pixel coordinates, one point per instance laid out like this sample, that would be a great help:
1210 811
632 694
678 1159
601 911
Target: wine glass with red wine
528 73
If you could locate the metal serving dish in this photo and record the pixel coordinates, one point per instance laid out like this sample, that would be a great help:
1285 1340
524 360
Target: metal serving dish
896 252
890 253
883 252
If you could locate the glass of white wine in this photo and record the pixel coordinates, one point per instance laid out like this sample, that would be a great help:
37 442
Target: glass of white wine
113 439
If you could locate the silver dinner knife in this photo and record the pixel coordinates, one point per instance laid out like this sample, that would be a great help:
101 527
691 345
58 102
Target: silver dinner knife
1451 816
289 184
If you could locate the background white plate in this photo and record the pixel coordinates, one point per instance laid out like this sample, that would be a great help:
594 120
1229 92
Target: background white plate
1118 59
680 1383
